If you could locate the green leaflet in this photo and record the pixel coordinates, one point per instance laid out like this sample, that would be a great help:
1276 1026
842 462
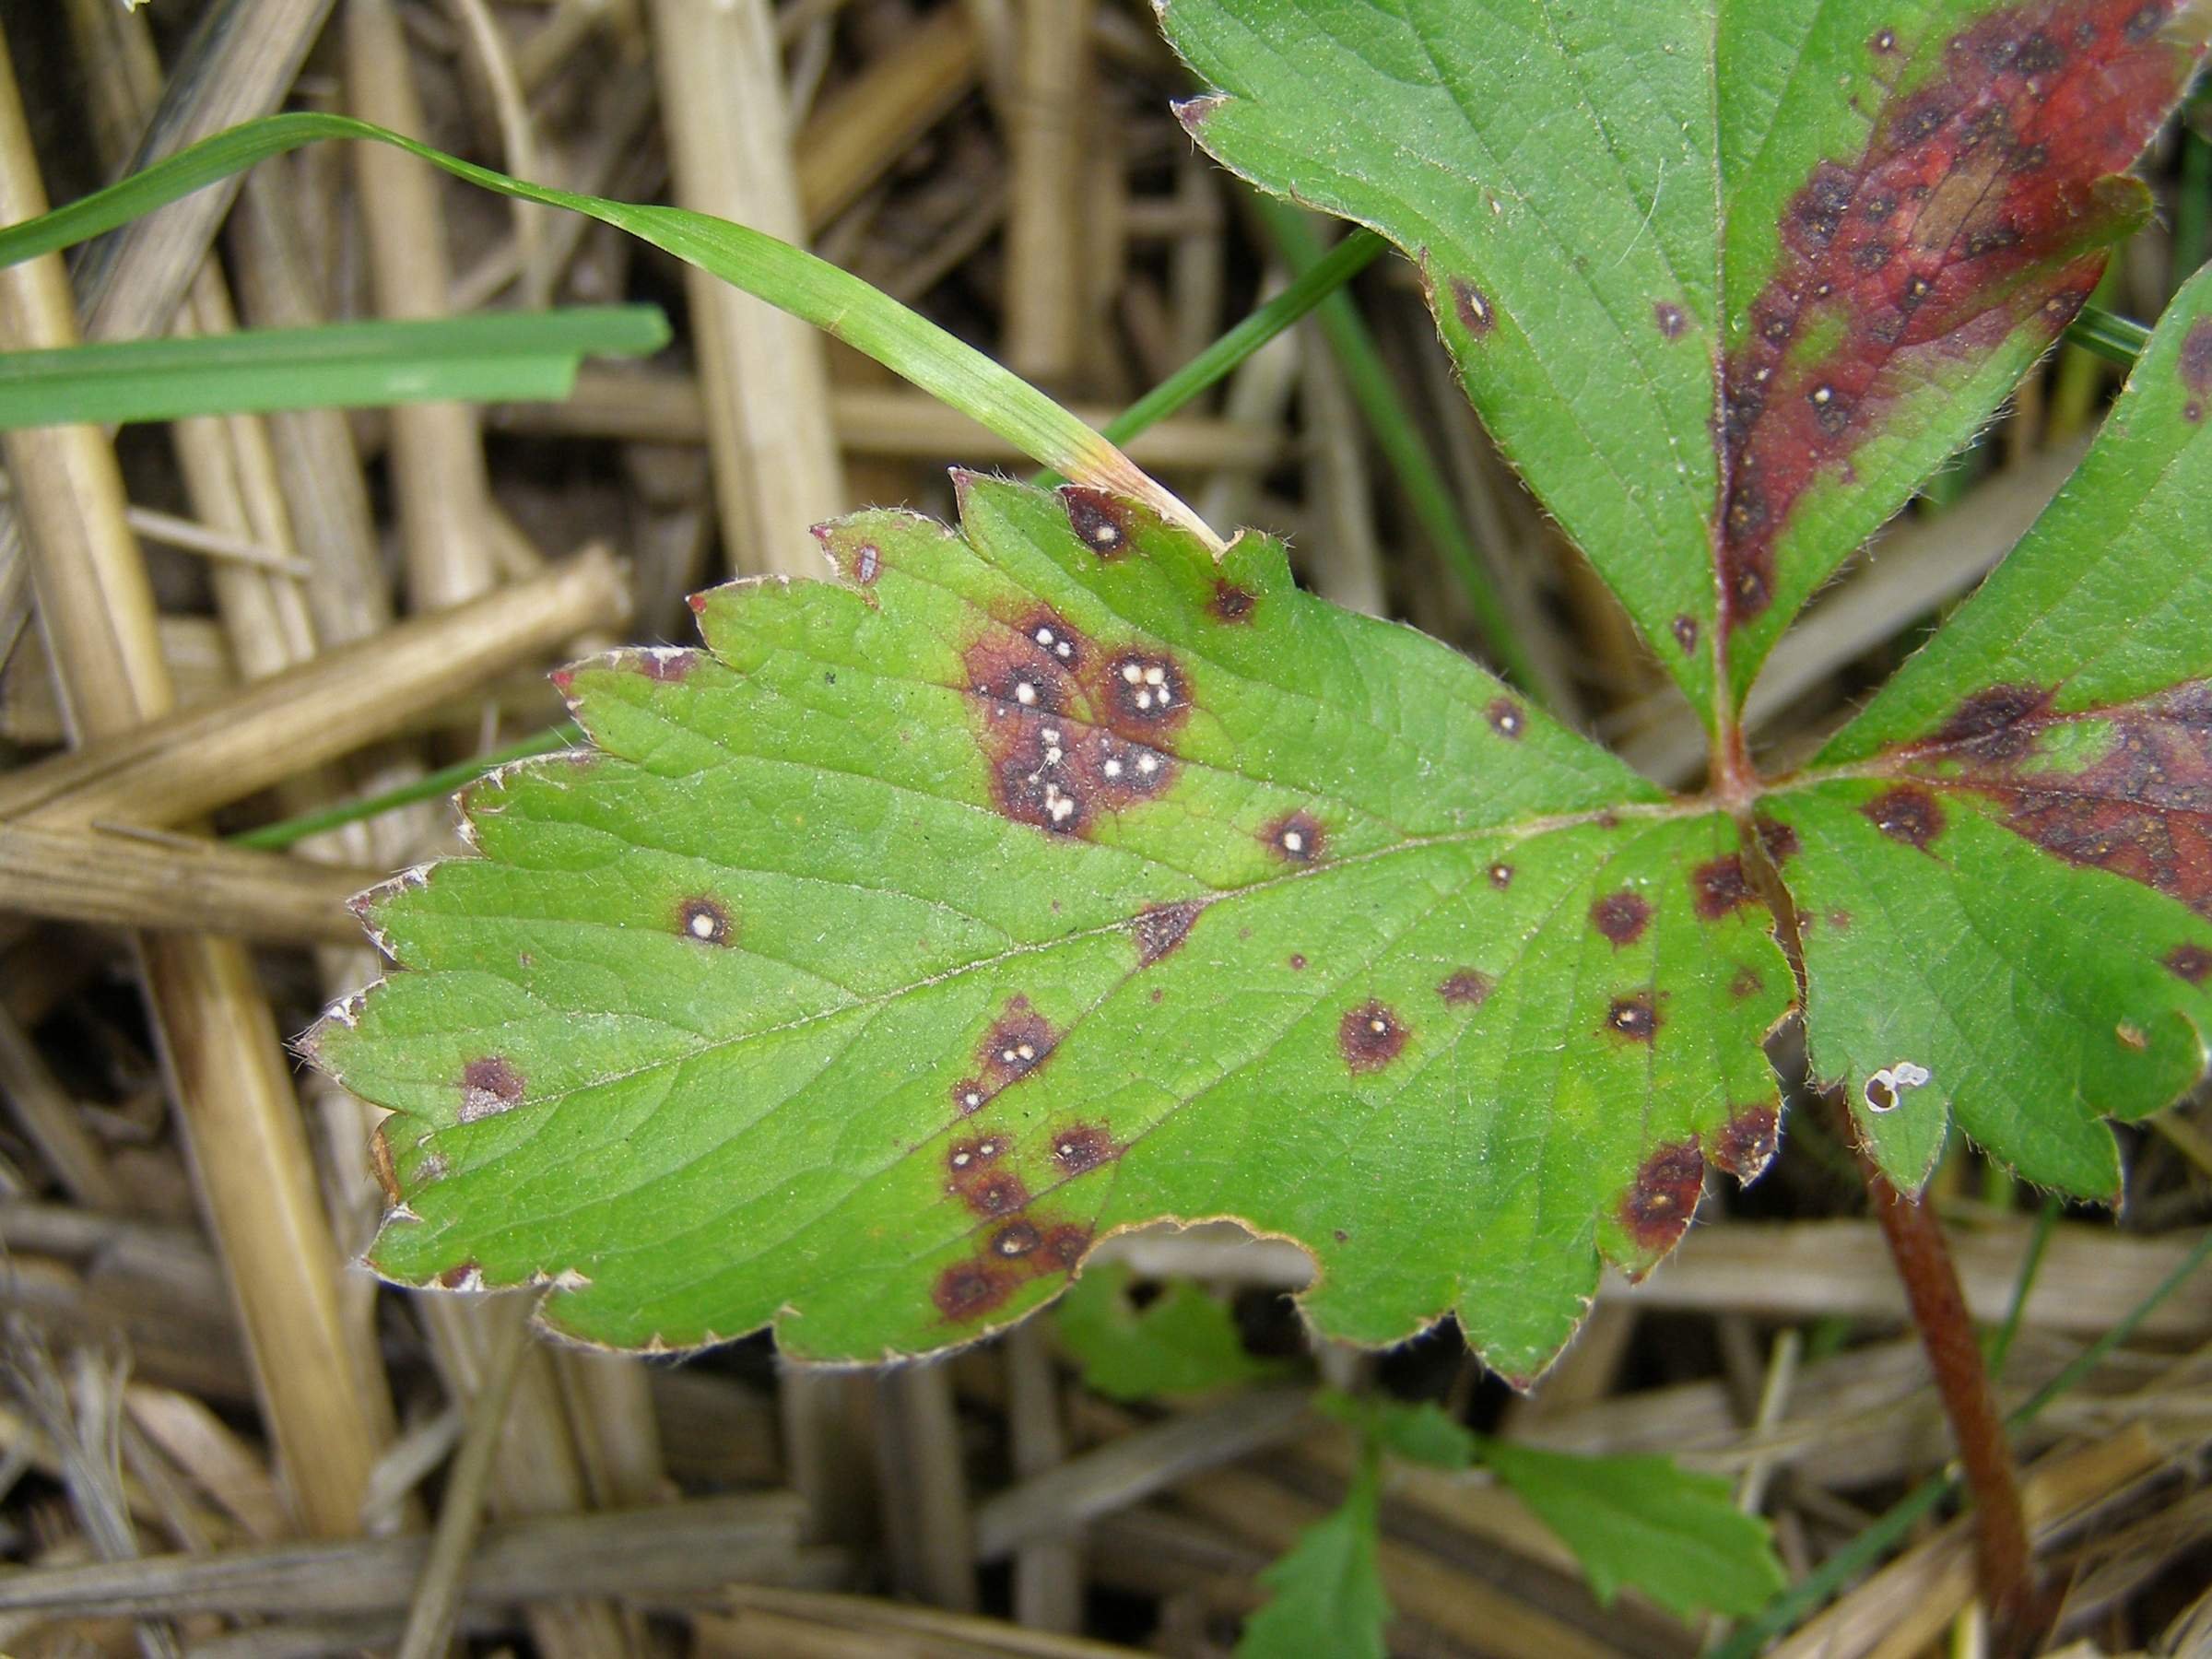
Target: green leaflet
1677 1536
1183 1341
1726 279
2004 870
1036 881
1328 1593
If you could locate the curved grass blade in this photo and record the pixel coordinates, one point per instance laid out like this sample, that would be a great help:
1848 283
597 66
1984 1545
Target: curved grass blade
788 277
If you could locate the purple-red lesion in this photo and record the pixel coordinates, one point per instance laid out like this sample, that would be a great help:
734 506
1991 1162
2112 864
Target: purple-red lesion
1620 917
1655 1210
1719 886
2142 809
1160 929
1370 1036
1962 221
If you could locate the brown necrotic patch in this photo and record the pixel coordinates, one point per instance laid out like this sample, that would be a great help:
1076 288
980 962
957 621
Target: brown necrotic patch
1719 886
1957 224
1370 1036
997 1192
1015 1239
1231 603
1747 1143
1507 718
1297 837
1672 319
1621 917
704 919
1777 840
968 1290
1656 1209
1995 726
1054 639
1466 988
1472 307
1019 1041
1082 1147
1160 929
1062 1249
1101 522
382 1166
461 1276
1146 695
1907 814
1633 1018
488 1087
1746 983
2190 963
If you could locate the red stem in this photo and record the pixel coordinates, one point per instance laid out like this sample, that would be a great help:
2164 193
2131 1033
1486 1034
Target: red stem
1923 1263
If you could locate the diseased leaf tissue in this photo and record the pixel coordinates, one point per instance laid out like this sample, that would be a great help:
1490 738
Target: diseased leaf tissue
1050 877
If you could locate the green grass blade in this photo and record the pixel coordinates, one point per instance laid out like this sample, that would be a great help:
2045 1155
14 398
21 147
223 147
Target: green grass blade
2115 338
787 277
1398 435
496 357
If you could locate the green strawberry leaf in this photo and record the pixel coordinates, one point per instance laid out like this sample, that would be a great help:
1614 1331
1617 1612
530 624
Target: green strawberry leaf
1327 1589
1035 881
1419 1431
1726 279
1677 1536
2002 867
1183 1341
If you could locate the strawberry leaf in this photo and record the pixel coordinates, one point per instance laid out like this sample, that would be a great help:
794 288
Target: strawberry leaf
1183 1341
2002 867
1727 280
1035 881
1328 1595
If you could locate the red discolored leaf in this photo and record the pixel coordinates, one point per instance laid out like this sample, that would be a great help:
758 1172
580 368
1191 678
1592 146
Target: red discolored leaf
1976 208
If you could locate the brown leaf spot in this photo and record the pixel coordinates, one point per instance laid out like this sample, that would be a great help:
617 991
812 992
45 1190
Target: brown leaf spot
2130 1036
1634 1018
703 919
967 1161
1015 1238
1906 814
969 1290
1472 307
1298 961
1840 920
1466 988
1655 1211
1160 929
1295 837
1719 886
1747 983
1621 916
1507 718
1672 319
2196 357
1370 1036
996 1194
854 557
1502 875
1019 1041
1055 641
1686 633
1147 694
2190 963
461 1276
1082 1147
1101 522
1883 41
1991 725
1747 1143
1777 840
1231 603
971 1095
488 1087
1062 1249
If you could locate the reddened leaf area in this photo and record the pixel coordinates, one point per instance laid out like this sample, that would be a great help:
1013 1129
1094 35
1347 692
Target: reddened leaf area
2004 870
1727 280
931 923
